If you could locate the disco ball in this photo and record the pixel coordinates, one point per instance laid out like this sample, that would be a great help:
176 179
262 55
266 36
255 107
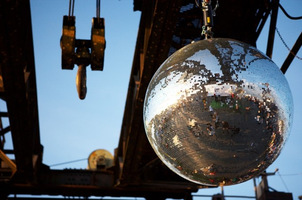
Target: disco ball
217 112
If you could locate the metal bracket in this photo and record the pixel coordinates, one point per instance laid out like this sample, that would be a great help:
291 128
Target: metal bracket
9 163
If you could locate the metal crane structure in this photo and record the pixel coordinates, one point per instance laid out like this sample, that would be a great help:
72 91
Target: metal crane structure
165 26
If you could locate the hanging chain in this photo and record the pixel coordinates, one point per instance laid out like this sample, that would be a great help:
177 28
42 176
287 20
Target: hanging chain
284 43
208 13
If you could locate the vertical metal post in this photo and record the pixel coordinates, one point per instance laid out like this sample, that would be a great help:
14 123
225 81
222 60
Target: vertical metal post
98 8
264 179
222 191
255 188
271 34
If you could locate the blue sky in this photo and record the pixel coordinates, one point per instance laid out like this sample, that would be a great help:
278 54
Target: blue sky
71 128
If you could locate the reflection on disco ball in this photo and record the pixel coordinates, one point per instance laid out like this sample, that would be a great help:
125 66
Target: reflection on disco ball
218 111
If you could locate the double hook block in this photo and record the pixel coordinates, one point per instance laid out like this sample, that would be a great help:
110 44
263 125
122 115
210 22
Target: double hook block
83 52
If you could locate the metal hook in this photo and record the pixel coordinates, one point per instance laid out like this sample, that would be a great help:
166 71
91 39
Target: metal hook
81 82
